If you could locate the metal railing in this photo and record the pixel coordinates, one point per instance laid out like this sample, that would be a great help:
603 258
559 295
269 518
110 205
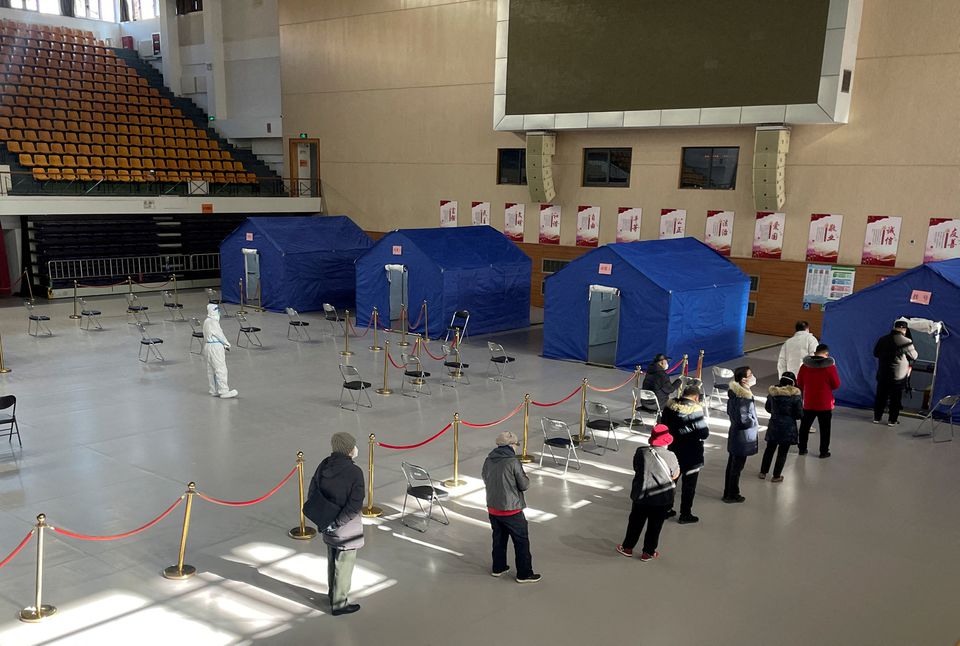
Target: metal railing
100 269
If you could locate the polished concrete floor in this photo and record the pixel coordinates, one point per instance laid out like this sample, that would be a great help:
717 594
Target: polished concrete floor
858 549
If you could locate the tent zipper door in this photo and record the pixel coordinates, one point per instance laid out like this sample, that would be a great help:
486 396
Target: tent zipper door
925 335
604 325
397 280
251 275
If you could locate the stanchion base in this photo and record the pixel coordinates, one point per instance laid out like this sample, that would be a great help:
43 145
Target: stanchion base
632 422
346 353
454 483
403 344
305 535
375 348
583 440
371 512
526 459
4 371
384 391
178 574
31 615
74 317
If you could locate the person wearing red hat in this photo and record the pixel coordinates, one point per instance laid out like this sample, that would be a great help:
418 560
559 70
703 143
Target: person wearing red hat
652 493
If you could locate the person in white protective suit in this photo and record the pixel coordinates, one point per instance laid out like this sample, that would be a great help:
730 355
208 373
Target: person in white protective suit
216 347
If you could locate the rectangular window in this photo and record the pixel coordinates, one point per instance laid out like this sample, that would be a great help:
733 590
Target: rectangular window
709 168
512 166
607 166
145 9
551 266
754 283
751 309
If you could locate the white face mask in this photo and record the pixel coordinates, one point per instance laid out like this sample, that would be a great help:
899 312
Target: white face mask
751 381
354 453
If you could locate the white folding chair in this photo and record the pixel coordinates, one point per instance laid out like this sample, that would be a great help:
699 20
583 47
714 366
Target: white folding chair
215 298
333 319
88 314
173 307
248 331
354 384
501 361
556 435
455 367
940 414
414 376
148 345
647 402
136 309
296 324
458 324
196 335
36 321
420 487
598 419
721 385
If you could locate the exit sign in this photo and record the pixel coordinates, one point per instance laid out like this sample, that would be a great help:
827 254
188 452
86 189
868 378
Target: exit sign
211 118
303 135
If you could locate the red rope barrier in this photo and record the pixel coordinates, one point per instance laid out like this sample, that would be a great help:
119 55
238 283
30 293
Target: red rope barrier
16 550
542 405
404 447
359 336
246 503
673 368
154 285
610 390
419 318
122 282
499 421
395 365
113 537
430 354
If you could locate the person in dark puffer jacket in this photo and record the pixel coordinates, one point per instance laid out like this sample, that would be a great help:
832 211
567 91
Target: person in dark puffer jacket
785 405
742 440
685 418
658 381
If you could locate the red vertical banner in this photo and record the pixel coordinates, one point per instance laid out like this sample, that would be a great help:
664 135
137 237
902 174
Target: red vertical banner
881 240
823 240
588 226
549 224
768 235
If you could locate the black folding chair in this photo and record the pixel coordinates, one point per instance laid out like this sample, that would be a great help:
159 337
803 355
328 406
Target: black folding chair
9 420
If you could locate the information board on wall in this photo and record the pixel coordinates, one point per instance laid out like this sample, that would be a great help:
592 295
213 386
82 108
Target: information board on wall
943 240
827 283
479 213
768 235
673 223
513 221
823 241
588 226
881 241
628 224
719 232
448 213
549 224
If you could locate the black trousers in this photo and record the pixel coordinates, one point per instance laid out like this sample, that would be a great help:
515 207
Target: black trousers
888 390
824 418
651 515
513 528
688 490
731 481
781 450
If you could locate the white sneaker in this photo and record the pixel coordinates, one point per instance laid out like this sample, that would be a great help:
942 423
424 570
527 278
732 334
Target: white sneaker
230 394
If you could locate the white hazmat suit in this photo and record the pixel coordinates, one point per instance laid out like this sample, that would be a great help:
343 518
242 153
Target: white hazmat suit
215 352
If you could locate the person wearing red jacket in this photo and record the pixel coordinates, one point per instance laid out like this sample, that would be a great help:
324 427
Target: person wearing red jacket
818 378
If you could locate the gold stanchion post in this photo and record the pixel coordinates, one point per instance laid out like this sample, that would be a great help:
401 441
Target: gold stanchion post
129 285
525 457
74 316
455 481
301 532
371 510
403 343
700 365
181 571
346 335
386 390
582 436
376 321
426 323
3 369
26 272
242 294
683 366
416 346
36 612
636 378
176 294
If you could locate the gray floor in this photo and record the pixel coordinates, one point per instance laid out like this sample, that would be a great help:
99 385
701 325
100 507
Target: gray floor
858 549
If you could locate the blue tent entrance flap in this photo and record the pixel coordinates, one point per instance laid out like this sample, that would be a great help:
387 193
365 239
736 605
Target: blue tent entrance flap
676 296
467 268
304 261
852 325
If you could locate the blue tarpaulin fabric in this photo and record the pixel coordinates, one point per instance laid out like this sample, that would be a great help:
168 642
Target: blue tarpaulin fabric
305 261
676 297
466 268
852 325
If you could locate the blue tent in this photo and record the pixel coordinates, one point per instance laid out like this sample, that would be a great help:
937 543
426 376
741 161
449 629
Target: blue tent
852 325
305 261
473 268
676 296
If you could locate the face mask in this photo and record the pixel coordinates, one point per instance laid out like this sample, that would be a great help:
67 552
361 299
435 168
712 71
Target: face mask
354 453
751 381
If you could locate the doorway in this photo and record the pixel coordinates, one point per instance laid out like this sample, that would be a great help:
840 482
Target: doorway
604 325
305 167
251 275
397 279
925 335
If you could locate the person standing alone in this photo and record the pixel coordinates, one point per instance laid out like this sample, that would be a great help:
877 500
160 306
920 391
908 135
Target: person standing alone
797 348
818 378
894 352
744 428
216 346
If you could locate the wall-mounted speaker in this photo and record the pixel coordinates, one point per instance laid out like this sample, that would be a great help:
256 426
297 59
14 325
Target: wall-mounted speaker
540 150
769 162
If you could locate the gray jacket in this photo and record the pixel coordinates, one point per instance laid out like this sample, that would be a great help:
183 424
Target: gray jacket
505 480
894 352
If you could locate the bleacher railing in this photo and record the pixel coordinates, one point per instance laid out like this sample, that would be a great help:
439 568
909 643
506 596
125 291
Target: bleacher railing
100 270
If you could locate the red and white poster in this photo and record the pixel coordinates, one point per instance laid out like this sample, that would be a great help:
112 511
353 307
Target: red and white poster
628 224
719 232
588 226
768 235
448 213
513 221
823 241
549 224
479 213
881 240
943 240
673 223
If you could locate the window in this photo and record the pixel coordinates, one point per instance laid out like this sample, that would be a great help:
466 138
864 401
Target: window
751 309
709 168
95 9
754 283
512 166
188 6
145 9
551 266
606 166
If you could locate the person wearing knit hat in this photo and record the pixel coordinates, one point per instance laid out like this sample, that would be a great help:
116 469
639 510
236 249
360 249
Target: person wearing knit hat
338 486
652 493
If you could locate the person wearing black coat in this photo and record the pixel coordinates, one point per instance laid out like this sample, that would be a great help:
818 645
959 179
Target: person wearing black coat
658 381
687 423
744 427
785 405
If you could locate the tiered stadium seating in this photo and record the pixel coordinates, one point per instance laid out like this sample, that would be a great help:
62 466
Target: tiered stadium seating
71 110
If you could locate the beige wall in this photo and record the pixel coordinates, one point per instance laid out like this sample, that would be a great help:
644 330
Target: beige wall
400 94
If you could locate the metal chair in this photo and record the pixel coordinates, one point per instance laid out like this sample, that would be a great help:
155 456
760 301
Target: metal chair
333 318
148 345
598 419
89 315
940 414
214 297
249 331
420 488
296 324
455 367
647 401
721 384
413 376
556 435
634 422
196 334
136 309
9 419
352 383
500 360
458 323
172 306
35 321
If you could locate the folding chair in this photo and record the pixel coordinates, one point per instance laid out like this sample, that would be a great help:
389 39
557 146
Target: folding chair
647 401
215 298
35 321
556 435
148 345
172 306
249 331
136 308
634 422
598 419
9 419
352 383
420 488
458 323
455 367
721 384
414 376
333 318
500 360
196 335
89 315
297 324
941 414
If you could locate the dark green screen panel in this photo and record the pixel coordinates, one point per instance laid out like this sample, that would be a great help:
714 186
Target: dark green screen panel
614 55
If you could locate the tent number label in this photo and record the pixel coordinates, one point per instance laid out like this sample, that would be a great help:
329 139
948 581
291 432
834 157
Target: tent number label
250 236
397 250
920 297
606 268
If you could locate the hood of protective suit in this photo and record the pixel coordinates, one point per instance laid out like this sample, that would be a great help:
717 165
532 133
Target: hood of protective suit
213 311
